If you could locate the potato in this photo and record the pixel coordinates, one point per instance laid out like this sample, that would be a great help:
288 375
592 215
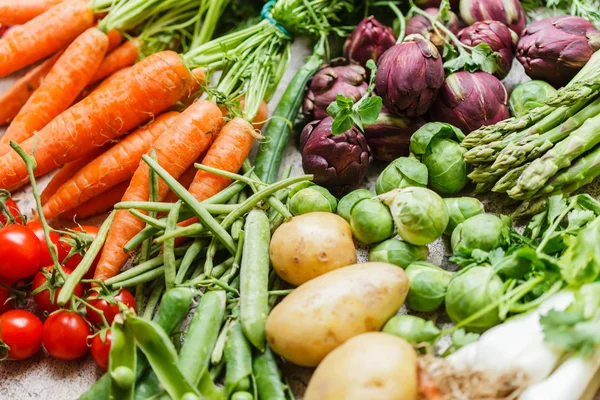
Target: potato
323 313
310 245
373 366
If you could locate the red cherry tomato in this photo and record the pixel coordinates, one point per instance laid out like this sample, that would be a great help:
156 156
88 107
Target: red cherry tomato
42 299
100 350
19 253
45 259
12 207
74 261
21 331
110 310
65 335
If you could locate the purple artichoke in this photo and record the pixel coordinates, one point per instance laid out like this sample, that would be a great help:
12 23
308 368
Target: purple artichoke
509 12
470 100
331 80
368 41
421 25
555 49
338 162
502 40
409 76
389 136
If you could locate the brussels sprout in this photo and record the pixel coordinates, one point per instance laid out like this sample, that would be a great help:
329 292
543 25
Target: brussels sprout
346 203
484 232
308 197
428 285
460 209
420 214
371 221
397 252
412 329
420 140
473 290
446 165
401 173
528 96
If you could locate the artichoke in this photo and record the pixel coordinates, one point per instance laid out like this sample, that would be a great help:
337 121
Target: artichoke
409 76
501 39
421 25
338 162
369 40
389 136
555 49
509 12
470 100
336 78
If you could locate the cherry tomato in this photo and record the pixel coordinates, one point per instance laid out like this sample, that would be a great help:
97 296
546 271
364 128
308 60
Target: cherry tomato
12 207
65 335
42 299
21 331
19 253
110 310
100 350
74 260
45 259
4 295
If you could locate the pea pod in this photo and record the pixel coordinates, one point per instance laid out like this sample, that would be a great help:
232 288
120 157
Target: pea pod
254 277
266 372
122 362
238 356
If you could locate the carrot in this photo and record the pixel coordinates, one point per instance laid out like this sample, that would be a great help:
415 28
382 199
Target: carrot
68 171
18 12
260 117
98 204
44 35
12 100
114 39
67 78
185 179
151 86
109 169
189 135
122 57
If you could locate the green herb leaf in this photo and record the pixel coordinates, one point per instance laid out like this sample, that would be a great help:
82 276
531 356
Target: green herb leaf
571 331
369 109
341 123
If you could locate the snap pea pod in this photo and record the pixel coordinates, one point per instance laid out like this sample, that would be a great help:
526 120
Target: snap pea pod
254 277
122 362
266 373
277 134
238 358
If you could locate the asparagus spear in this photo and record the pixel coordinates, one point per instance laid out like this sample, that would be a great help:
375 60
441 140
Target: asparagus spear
509 179
582 172
541 170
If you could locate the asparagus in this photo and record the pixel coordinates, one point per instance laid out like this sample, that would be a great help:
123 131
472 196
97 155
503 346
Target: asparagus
541 170
508 180
582 172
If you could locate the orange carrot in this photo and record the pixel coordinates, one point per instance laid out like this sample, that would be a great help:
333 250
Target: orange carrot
67 78
185 180
68 171
122 57
189 135
18 12
98 204
114 40
149 87
109 169
12 100
44 35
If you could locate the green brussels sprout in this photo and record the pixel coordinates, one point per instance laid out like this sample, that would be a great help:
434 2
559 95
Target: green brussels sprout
460 209
428 285
528 96
470 291
308 197
344 207
484 232
420 214
446 165
371 221
420 140
402 172
413 329
397 252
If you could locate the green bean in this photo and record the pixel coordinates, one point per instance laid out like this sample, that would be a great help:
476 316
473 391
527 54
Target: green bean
166 207
188 258
143 278
236 262
169 247
227 174
146 266
144 234
122 361
190 230
202 335
267 376
238 356
161 355
254 275
153 222
154 299
217 354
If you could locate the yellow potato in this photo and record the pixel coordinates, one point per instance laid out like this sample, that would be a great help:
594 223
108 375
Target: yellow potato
371 366
310 245
323 313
